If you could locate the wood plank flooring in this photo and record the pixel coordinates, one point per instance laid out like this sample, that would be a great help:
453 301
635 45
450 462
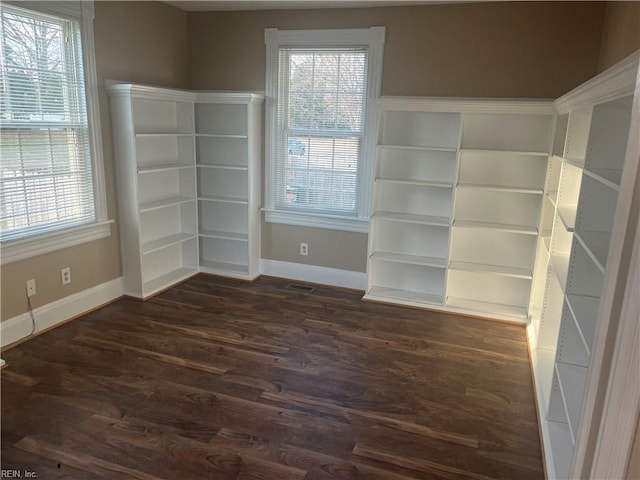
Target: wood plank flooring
223 379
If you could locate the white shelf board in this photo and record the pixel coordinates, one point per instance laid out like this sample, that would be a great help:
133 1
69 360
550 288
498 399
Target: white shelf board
560 265
168 279
488 308
166 134
567 214
410 218
491 269
241 237
572 379
561 448
609 177
402 181
426 149
597 246
224 267
223 199
552 196
506 152
161 243
496 226
165 202
410 259
502 188
221 135
585 311
223 167
383 293
163 168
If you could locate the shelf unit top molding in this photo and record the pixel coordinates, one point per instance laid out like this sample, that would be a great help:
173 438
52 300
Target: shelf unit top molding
467 105
115 88
150 92
615 82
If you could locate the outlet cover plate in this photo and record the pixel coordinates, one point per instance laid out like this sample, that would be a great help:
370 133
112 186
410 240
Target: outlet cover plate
65 275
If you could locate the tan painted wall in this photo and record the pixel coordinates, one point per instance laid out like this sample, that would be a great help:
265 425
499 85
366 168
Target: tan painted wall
633 472
620 33
141 42
328 248
534 49
510 49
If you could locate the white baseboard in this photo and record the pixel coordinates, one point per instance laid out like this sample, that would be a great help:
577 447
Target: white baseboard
56 312
314 274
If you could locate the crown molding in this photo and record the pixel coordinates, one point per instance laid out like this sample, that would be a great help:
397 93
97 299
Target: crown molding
615 82
467 105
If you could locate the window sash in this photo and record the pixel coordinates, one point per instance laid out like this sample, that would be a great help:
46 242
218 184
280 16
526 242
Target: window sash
46 176
311 175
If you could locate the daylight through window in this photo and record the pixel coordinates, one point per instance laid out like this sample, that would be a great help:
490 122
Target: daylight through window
321 106
46 169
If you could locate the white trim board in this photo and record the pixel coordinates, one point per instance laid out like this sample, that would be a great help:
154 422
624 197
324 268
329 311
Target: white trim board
622 402
466 105
59 311
53 241
314 274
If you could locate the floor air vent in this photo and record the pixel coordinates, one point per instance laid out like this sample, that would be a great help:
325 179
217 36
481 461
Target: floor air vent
302 288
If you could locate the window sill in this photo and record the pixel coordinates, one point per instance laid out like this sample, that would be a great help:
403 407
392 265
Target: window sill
317 220
50 242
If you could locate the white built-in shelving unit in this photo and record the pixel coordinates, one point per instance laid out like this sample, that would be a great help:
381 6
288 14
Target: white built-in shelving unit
181 159
228 162
456 205
583 185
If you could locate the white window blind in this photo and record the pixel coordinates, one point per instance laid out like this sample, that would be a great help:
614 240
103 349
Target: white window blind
46 180
320 129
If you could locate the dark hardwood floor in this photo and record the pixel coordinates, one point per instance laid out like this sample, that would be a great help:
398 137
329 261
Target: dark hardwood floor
222 379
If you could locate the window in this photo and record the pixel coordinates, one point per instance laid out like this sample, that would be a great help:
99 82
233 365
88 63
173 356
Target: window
50 165
320 128
319 153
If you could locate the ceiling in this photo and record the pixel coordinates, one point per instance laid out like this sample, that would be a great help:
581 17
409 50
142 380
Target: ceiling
222 5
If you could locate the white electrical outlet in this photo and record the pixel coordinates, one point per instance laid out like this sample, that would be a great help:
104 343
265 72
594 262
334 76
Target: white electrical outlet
31 287
304 249
65 275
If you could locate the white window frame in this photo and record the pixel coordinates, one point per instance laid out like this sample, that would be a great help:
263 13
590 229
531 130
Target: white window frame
372 38
12 251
